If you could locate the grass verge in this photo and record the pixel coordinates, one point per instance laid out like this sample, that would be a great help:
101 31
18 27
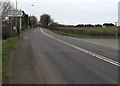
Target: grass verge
7 47
83 36
26 30
0 62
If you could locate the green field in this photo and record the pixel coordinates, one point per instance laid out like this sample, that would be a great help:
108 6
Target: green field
83 36
87 32
96 29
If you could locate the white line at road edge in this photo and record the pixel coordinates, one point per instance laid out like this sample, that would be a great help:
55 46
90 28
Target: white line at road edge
86 51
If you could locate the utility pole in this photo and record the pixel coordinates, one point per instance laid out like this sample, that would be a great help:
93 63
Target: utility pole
18 30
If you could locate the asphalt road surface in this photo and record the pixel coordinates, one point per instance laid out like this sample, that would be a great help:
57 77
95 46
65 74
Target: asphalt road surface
66 60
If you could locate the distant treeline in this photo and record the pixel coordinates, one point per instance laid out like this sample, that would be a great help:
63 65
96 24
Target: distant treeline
47 21
85 25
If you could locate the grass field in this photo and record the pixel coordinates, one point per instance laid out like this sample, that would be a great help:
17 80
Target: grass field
83 36
88 32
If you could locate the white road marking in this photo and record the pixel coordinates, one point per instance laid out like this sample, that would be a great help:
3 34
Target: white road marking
86 51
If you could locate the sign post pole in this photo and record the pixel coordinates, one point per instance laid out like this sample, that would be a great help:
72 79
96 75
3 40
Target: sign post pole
20 26
16 14
11 27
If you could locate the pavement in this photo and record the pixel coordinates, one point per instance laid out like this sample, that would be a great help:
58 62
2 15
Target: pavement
44 57
23 63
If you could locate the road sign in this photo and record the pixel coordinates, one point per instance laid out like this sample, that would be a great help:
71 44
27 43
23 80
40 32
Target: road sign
104 27
15 13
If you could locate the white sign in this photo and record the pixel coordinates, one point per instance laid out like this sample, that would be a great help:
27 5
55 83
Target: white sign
15 13
14 27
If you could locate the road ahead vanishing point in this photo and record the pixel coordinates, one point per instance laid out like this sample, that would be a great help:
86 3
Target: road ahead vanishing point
58 59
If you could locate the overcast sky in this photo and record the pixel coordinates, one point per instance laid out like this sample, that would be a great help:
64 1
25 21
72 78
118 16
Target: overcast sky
72 11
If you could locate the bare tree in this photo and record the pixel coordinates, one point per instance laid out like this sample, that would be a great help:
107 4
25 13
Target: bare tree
4 7
4 21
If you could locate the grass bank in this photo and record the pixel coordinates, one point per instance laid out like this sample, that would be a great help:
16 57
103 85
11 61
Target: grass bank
7 47
83 36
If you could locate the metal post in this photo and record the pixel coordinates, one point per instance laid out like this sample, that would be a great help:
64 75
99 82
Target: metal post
1 27
11 28
28 21
16 4
20 26
116 28
16 21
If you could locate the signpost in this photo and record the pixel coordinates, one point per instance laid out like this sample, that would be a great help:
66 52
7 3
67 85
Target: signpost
104 27
16 13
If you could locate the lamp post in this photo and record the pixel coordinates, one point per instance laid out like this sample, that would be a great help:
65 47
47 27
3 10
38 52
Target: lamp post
18 30
29 18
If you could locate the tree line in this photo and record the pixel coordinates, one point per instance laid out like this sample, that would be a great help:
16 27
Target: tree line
47 21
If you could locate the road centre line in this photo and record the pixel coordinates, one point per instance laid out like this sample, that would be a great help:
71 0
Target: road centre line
85 51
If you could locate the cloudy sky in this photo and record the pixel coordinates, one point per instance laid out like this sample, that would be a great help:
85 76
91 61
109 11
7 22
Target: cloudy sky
72 11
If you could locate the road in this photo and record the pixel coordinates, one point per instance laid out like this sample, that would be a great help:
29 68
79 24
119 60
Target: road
68 60
62 63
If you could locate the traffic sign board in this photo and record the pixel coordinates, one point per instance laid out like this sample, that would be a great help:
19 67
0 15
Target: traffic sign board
15 13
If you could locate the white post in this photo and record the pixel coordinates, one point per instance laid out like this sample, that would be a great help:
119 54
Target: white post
116 28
